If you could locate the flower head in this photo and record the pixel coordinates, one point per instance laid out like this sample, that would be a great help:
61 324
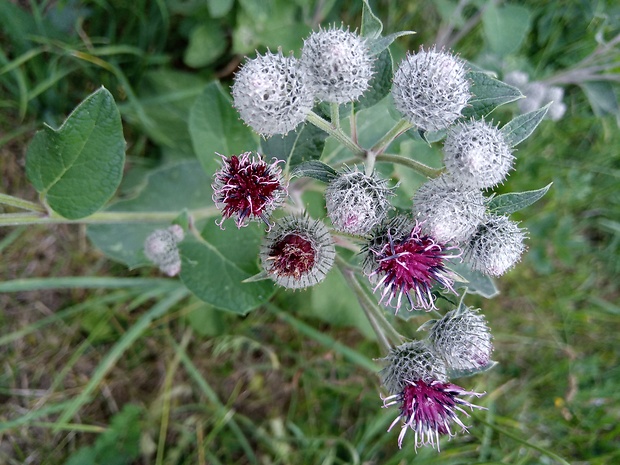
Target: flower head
496 246
430 89
463 340
357 202
337 64
477 154
416 379
271 95
405 262
448 210
298 252
160 247
248 188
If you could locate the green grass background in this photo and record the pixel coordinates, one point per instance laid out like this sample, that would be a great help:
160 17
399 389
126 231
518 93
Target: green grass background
161 378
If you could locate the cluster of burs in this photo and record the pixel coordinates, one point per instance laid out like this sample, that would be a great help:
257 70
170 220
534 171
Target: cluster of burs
405 257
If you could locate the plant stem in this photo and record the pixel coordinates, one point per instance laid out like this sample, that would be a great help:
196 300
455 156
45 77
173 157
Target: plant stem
21 203
16 219
411 163
336 133
398 129
335 115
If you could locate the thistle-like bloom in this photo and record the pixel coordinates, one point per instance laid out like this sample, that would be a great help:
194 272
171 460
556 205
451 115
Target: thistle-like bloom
248 188
448 210
416 379
160 247
476 153
298 252
337 64
463 340
356 202
430 89
496 246
406 263
271 95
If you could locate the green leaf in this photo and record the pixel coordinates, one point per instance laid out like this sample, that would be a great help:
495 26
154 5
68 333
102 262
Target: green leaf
521 127
515 201
380 83
304 144
489 93
314 169
505 27
207 42
219 8
170 190
371 24
378 45
78 167
206 320
334 302
215 127
456 373
474 281
214 269
603 99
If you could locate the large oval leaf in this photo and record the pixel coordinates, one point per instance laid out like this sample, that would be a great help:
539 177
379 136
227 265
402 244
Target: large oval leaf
78 167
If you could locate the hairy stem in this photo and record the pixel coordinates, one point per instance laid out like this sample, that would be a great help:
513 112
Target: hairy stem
336 133
21 203
411 163
399 128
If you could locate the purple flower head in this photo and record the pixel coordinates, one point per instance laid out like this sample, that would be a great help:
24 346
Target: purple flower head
428 408
298 252
248 188
405 262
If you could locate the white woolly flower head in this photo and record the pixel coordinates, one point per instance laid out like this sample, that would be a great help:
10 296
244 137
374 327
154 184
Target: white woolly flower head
357 202
410 362
430 89
496 246
448 210
476 153
160 247
463 339
271 95
297 252
337 64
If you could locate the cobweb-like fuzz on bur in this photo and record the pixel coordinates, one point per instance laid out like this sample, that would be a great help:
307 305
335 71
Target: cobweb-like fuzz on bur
404 262
337 64
298 252
463 340
477 154
160 247
356 202
271 95
248 189
430 89
496 247
448 210
416 379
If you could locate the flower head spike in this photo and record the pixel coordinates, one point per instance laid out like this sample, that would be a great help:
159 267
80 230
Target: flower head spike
477 154
160 247
248 188
430 89
298 252
406 263
337 64
357 202
496 247
271 95
416 379
463 340
448 210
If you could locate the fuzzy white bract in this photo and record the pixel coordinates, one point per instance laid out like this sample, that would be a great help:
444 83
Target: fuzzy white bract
476 154
337 64
449 211
463 340
356 202
430 89
496 247
271 95
160 247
